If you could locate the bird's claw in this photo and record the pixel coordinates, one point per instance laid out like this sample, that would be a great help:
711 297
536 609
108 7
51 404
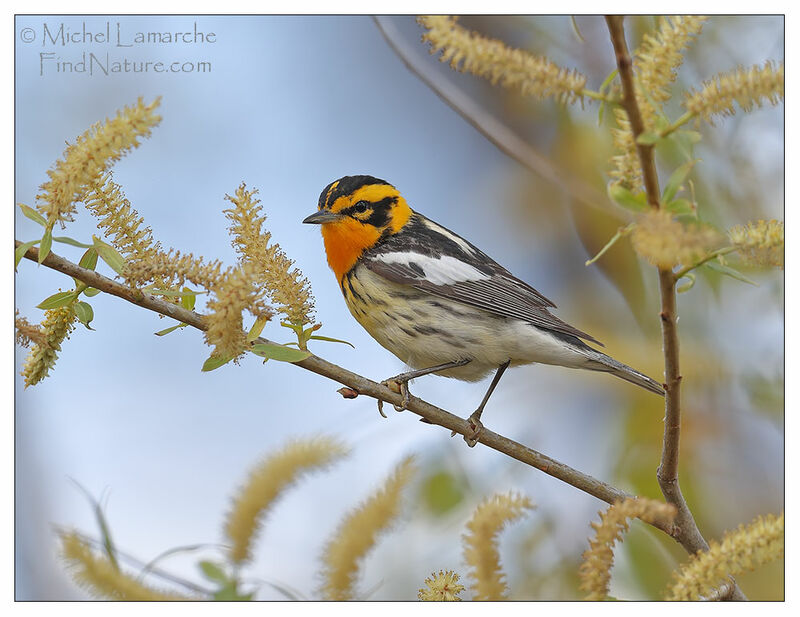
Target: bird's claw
476 428
397 384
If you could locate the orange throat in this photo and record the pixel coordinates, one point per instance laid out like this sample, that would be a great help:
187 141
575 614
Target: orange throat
345 241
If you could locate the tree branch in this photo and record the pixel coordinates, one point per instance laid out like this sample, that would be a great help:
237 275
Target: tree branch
434 415
362 385
686 531
488 125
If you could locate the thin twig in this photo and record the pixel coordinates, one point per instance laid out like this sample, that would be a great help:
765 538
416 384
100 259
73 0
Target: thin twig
686 531
491 127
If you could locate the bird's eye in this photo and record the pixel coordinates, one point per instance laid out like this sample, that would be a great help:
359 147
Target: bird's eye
361 206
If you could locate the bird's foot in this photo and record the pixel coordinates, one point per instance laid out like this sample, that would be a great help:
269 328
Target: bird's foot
476 428
399 384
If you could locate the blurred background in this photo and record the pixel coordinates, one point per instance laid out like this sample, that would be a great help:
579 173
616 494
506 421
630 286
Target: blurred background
290 104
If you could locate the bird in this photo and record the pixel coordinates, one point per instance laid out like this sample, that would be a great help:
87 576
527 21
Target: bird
439 303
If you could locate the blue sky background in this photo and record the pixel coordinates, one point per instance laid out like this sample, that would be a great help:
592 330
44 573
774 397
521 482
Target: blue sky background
292 103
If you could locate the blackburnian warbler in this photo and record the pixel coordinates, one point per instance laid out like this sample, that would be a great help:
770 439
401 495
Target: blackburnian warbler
437 302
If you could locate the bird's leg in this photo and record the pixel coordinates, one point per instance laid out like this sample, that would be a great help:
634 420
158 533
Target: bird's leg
399 383
475 419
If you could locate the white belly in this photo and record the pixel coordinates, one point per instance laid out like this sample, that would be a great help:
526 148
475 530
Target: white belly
423 331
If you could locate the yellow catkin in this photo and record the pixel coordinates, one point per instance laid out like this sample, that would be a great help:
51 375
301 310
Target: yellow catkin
627 170
595 571
27 333
749 87
99 576
267 481
84 161
660 53
657 60
359 531
759 242
232 296
480 543
742 550
57 325
441 587
665 242
175 268
145 260
284 284
514 69
655 64
123 226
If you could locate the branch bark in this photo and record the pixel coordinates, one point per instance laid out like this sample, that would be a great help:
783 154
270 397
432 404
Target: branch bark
434 415
362 385
685 531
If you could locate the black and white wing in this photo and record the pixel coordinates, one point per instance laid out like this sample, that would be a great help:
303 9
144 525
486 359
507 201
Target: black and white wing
431 258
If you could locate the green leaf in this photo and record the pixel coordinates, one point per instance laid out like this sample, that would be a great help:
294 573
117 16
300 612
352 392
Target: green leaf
622 231
258 327
214 362
89 259
304 335
622 196
273 351
20 251
84 313
70 241
33 215
688 284
213 572
682 207
46 243
662 123
676 179
685 142
648 138
109 255
166 331
105 531
319 337
692 137
62 298
607 81
188 300
90 291
601 108
728 271
168 553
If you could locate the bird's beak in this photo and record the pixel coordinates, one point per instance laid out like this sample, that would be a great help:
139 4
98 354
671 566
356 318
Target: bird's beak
320 217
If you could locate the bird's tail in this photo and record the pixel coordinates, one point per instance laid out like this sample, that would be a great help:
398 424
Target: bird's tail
602 362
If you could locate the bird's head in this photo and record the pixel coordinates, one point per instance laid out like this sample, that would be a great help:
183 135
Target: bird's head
355 213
